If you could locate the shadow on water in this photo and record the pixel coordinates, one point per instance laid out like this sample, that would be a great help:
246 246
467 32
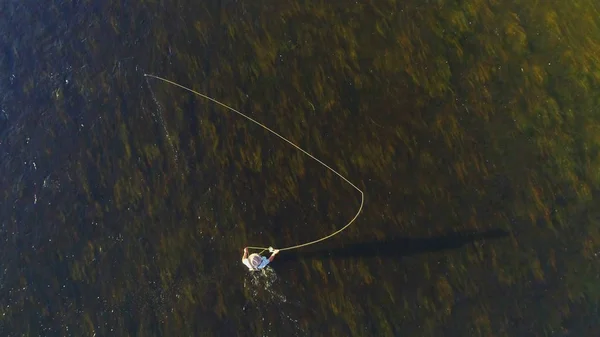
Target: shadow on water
394 247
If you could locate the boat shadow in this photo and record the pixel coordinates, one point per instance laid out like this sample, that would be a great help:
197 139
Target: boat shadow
391 248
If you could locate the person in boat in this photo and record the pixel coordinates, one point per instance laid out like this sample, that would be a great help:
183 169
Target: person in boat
256 262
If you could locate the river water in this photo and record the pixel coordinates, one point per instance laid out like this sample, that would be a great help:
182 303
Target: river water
471 126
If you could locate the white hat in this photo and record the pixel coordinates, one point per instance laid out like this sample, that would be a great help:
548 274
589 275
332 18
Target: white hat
255 260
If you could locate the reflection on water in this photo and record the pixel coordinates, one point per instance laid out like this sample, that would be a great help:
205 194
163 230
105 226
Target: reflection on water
260 287
266 301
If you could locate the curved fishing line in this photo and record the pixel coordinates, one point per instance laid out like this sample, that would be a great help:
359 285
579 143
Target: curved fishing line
362 195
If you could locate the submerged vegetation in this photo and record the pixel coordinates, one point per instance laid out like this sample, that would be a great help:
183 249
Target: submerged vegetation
453 116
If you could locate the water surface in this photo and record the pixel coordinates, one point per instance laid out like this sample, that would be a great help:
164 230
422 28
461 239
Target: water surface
472 126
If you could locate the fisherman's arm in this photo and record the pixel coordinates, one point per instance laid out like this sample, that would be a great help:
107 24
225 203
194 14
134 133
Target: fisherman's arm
275 252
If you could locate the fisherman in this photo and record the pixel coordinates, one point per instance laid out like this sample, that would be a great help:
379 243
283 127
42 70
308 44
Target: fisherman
256 262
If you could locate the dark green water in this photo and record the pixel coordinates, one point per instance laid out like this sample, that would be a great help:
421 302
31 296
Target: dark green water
472 126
